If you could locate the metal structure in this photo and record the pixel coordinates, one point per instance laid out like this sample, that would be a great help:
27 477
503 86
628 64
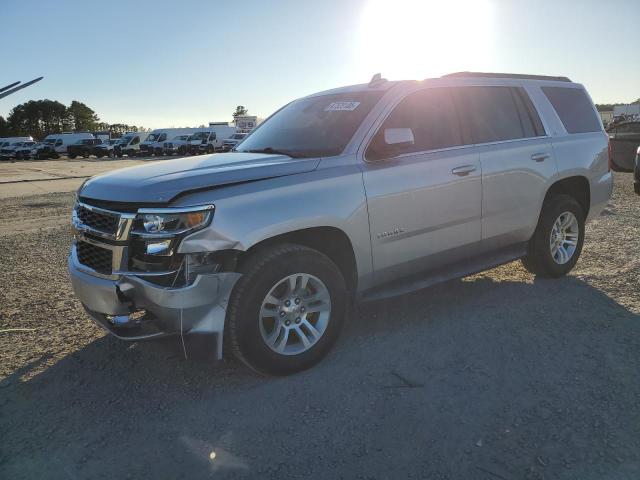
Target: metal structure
14 87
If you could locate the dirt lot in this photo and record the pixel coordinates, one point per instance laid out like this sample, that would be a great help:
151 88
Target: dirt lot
497 376
32 177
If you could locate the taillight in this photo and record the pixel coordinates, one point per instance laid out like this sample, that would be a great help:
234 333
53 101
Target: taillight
610 151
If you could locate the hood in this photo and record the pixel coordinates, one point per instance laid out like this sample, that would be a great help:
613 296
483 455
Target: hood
160 182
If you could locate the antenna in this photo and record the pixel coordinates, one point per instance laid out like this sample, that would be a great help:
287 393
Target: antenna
377 78
15 89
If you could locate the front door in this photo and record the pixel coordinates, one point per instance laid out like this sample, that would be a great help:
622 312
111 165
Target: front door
424 194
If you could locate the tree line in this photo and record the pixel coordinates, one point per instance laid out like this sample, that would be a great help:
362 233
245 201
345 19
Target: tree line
40 118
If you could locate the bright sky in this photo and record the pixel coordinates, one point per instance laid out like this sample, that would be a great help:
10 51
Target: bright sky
165 63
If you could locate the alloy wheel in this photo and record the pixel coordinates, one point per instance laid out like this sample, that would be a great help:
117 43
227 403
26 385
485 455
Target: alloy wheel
295 314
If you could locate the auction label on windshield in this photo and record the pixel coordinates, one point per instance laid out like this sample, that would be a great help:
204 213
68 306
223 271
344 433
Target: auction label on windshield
341 107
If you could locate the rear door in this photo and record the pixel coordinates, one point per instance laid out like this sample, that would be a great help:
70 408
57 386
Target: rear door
423 197
516 157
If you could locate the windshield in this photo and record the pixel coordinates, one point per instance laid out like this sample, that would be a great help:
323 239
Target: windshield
200 136
125 139
84 142
153 137
316 126
181 137
239 136
50 141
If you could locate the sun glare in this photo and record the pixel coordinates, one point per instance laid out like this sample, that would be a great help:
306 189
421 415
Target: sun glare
416 39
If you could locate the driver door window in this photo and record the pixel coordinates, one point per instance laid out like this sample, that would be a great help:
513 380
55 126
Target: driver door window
431 116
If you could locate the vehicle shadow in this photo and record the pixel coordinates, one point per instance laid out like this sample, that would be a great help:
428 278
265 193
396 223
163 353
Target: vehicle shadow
485 377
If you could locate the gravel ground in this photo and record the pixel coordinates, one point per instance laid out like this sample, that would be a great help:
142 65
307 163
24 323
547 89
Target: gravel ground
496 376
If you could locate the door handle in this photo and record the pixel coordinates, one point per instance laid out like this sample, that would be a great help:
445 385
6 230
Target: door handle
539 157
463 170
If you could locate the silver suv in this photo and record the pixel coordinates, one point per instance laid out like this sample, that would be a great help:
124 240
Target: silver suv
361 192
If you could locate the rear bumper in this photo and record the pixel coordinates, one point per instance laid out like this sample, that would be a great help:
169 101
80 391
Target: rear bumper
601 190
118 305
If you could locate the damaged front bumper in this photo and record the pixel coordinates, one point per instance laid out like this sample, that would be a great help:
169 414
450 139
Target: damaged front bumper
131 308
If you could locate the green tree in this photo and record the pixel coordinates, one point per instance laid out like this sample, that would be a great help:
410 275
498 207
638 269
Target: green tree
39 118
240 111
83 118
5 128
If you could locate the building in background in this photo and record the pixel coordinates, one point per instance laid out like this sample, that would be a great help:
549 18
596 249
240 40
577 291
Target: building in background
627 110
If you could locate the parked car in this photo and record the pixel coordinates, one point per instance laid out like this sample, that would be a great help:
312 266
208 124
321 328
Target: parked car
154 143
9 151
179 145
56 144
232 141
209 140
129 144
83 148
105 149
27 151
6 141
357 193
625 140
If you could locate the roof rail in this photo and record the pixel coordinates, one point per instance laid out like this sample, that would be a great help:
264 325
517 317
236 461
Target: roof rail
505 75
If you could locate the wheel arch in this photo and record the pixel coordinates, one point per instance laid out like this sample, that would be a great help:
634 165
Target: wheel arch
331 241
577 186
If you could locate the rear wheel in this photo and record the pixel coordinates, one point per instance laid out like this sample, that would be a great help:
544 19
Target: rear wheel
557 242
287 310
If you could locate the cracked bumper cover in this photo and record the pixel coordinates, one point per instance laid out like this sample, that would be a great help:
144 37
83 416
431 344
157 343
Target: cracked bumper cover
198 308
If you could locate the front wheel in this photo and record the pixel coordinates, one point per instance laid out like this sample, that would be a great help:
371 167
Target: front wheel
557 242
287 309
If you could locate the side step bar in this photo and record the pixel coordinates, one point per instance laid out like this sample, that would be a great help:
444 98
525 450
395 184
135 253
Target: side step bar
445 273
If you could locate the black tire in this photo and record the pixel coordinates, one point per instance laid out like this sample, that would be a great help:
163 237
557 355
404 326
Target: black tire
263 270
210 149
182 150
72 155
85 155
539 259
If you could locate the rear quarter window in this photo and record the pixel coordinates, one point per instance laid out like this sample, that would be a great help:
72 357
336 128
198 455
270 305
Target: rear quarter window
574 109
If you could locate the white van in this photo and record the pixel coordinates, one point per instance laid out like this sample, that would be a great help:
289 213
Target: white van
211 139
154 143
129 144
6 141
56 144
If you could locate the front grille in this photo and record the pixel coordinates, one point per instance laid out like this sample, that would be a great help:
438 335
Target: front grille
103 222
97 258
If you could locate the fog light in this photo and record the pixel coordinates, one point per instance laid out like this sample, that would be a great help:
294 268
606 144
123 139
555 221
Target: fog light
162 248
131 320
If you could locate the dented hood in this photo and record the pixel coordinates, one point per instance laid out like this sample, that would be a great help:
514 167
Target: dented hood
161 181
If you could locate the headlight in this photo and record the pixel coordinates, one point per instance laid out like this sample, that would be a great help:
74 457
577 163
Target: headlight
172 221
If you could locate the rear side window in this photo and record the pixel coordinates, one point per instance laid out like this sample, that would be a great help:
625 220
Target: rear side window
432 117
490 113
574 109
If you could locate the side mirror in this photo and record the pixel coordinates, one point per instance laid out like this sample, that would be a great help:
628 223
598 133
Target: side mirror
398 136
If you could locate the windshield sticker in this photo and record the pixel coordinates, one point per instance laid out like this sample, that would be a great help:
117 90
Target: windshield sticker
341 107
